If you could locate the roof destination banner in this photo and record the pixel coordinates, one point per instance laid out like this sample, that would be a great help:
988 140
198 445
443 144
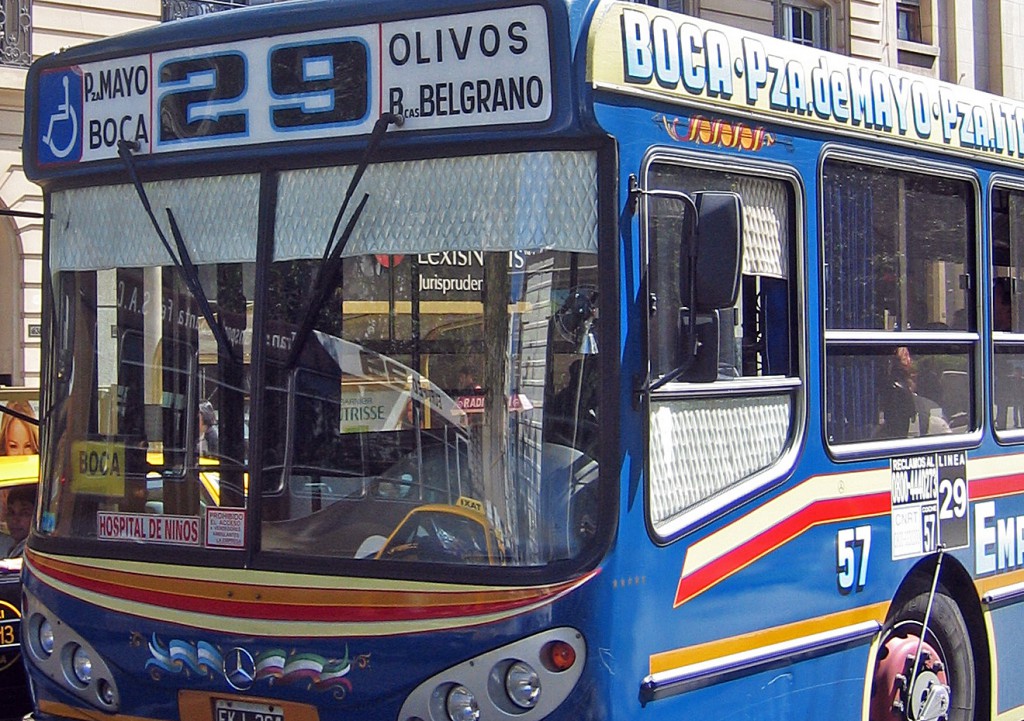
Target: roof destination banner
639 50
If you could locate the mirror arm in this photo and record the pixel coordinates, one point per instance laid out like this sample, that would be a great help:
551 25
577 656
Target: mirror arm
634 194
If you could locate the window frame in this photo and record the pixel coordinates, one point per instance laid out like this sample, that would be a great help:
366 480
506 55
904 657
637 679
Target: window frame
820 14
684 7
911 11
972 337
795 385
1006 339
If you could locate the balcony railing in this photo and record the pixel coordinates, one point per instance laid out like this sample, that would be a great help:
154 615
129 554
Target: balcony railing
178 9
16 32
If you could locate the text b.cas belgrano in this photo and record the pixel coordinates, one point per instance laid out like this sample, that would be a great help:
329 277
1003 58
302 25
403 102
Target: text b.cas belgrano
474 69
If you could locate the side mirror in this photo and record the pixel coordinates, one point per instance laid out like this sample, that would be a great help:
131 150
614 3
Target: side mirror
717 246
696 246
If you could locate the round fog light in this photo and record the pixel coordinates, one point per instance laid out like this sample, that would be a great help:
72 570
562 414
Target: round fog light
81 664
45 636
106 692
522 684
461 705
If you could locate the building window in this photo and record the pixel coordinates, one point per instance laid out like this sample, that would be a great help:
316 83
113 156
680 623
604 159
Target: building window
16 32
805 25
678 6
179 9
908 20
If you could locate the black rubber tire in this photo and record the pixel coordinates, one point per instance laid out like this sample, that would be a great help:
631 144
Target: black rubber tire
948 635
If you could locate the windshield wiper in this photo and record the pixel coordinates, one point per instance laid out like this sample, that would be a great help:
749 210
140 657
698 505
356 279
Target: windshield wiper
331 262
182 261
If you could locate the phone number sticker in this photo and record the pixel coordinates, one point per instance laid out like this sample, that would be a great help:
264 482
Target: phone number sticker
929 503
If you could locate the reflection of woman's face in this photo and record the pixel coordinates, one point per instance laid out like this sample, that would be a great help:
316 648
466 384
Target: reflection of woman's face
19 440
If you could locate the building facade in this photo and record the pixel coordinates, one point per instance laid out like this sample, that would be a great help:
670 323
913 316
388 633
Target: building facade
31 29
977 43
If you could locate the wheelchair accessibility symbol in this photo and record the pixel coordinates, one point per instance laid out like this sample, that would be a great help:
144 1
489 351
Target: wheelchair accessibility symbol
60 117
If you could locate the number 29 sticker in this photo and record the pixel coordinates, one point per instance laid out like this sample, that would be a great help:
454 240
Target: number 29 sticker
929 504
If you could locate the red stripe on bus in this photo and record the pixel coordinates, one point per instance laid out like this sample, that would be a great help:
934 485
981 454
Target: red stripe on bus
819 512
404 606
998 486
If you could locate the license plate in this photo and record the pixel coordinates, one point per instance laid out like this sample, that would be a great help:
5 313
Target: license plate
224 710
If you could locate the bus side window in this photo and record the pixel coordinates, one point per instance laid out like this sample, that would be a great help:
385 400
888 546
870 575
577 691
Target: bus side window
1007 311
897 260
731 414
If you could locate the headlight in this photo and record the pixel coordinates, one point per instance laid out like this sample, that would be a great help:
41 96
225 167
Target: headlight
45 636
522 684
81 665
461 705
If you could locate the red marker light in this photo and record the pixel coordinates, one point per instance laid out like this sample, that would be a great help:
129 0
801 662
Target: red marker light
558 656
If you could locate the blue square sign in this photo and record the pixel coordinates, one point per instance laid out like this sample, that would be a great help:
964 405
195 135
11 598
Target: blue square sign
60 117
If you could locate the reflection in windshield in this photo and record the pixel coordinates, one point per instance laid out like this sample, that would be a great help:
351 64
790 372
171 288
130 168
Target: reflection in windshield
445 412
136 359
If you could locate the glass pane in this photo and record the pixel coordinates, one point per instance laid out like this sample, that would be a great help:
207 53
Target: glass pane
754 338
1007 228
513 202
134 359
217 217
896 249
700 447
1008 379
889 392
908 22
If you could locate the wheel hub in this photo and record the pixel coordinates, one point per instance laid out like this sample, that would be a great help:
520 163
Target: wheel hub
893 699
929 699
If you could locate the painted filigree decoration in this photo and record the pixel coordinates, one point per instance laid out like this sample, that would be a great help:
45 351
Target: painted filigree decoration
243 669
704 131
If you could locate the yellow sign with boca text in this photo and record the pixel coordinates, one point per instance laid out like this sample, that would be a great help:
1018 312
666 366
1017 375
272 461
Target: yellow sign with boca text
643 51
98 467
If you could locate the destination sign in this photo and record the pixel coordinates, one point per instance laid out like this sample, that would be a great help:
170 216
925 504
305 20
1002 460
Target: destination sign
454 71
640 51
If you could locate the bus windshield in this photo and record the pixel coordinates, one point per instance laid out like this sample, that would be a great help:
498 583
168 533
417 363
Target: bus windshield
429 397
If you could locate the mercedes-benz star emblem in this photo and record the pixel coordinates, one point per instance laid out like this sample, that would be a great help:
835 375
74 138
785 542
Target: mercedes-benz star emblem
239 668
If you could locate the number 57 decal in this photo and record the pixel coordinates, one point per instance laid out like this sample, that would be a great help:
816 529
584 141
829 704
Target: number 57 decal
853 547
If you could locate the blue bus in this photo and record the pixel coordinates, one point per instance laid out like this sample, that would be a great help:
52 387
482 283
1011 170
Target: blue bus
674 371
